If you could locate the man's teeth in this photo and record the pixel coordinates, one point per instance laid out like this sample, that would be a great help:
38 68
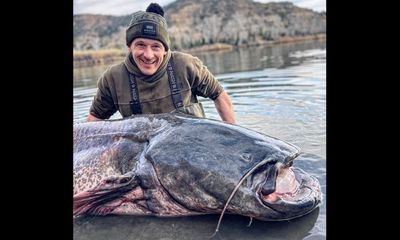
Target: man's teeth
148 62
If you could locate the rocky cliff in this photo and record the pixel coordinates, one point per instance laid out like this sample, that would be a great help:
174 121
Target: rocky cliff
195 23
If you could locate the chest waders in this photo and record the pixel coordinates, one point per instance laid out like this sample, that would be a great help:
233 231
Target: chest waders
195 109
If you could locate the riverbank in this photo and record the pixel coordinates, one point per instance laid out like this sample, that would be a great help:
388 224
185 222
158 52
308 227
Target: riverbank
94 57
228 47
108 56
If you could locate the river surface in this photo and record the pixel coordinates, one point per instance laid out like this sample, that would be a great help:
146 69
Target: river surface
279 91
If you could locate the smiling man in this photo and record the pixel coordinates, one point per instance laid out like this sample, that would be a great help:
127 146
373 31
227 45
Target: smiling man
154 79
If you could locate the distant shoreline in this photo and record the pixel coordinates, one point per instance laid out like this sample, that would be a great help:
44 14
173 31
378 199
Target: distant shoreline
90 58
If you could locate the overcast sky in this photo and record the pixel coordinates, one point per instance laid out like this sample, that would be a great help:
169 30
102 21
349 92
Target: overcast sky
124 7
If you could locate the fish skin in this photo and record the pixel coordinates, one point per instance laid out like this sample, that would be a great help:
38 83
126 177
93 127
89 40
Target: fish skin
178 165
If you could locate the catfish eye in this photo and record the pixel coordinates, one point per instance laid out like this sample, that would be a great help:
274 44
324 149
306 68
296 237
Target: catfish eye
247 157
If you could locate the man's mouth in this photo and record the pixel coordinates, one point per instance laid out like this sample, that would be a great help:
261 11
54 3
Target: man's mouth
147 62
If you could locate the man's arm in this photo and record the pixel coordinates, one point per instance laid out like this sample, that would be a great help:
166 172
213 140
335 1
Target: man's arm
225 108
103 106
91 118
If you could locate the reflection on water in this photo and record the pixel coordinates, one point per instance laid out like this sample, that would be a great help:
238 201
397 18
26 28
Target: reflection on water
279 91
232 227
245 59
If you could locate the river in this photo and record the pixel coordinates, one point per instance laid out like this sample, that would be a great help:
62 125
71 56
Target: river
279 90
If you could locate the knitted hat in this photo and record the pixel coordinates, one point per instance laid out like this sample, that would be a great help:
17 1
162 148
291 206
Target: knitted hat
150 24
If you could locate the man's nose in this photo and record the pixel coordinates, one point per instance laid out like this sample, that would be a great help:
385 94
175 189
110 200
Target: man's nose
148 52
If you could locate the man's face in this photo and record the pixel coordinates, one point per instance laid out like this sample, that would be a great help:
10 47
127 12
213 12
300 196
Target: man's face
148 54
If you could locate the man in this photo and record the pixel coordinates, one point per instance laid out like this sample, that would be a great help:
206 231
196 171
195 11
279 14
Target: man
153 79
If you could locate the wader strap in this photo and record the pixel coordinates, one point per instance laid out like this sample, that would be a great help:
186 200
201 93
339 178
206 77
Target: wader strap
174 86
135 102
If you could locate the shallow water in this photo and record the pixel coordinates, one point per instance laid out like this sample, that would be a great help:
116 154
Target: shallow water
279 91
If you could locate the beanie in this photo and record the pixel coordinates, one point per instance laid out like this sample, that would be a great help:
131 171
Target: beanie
148 25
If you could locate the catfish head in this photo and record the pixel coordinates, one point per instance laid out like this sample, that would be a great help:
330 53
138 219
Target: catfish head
209 166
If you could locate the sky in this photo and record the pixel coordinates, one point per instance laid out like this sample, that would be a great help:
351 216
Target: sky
124 7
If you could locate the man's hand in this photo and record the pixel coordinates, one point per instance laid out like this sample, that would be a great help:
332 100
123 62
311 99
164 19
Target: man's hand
91 118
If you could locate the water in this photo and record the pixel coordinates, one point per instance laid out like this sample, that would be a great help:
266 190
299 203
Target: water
279 91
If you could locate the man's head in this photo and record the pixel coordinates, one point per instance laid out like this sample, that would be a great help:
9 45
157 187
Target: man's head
150 24
147 38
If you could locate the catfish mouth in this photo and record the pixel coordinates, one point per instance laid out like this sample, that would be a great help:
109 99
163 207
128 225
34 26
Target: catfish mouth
284 187
294 193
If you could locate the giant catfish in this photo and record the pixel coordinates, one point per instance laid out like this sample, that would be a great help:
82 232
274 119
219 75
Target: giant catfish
178 165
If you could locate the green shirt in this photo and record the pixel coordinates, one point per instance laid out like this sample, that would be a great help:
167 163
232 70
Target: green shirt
114 93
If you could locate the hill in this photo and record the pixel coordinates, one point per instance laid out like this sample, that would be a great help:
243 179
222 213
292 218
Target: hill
195 23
